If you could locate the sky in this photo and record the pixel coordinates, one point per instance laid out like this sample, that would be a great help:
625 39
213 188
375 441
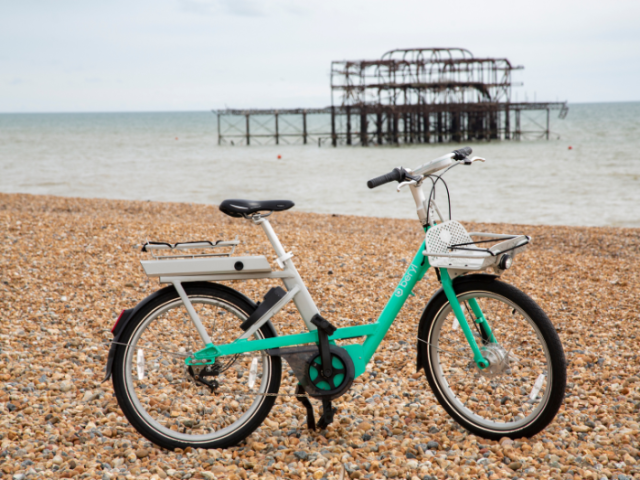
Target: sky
180 55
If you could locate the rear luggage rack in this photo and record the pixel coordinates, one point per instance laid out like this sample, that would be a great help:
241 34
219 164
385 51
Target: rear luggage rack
158 248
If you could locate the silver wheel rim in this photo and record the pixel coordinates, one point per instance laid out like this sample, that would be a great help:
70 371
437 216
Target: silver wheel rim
133 383
466 390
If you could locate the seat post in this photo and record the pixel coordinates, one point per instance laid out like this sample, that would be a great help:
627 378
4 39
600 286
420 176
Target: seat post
303 301
271 235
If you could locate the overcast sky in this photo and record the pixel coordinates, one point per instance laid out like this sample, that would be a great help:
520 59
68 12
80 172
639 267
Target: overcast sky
160 55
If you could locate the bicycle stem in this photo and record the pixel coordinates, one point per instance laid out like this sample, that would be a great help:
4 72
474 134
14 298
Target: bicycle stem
447 286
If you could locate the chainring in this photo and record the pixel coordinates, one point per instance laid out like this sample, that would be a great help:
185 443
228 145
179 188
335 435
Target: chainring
338 383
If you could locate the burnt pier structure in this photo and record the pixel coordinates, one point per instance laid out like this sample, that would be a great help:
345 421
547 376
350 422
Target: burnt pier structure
430 95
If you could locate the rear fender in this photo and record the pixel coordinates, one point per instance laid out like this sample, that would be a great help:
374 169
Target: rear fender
122 325
423 327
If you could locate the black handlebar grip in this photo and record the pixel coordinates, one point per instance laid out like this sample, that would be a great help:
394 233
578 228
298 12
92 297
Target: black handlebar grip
394 175
462 153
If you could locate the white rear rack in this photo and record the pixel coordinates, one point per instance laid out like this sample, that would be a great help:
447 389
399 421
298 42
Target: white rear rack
171 251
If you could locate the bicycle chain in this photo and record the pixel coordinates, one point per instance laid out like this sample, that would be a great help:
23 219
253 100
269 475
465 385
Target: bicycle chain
180 354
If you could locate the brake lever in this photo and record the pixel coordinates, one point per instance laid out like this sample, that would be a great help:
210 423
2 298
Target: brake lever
404 184
469 161
413 179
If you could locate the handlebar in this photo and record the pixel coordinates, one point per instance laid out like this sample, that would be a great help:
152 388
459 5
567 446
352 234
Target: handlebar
400 174
462 153
397 174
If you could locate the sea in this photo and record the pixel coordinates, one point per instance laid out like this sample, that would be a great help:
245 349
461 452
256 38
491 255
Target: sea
587 173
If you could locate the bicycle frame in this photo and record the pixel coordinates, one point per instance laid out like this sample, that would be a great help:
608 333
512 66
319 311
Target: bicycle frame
374 333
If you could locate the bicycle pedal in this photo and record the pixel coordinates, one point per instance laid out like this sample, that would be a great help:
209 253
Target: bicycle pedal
328 411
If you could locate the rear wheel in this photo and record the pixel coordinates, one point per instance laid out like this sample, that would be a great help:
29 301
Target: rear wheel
160 396
523 389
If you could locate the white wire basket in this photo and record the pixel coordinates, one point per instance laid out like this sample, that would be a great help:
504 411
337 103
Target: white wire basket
449 245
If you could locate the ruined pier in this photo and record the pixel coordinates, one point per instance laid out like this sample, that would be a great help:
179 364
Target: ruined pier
433 95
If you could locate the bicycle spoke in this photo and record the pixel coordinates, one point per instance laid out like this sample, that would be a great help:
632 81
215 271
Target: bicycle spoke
176 402
501 394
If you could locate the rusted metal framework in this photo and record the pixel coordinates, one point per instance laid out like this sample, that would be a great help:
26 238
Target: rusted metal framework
427 95
421 76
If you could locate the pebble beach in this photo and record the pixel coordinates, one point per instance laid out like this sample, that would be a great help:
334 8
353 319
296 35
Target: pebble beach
68 266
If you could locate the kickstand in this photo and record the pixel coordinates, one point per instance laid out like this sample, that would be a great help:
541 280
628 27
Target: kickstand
311 421
327 414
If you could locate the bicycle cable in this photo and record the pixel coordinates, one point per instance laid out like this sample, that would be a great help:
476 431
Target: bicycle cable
433 187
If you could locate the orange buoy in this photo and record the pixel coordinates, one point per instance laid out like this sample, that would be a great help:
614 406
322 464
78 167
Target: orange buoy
570 147
279 157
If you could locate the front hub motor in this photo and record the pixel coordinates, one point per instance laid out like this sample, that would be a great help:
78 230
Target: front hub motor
498 360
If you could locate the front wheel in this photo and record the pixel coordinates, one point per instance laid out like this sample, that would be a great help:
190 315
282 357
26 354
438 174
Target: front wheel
523 389
158 393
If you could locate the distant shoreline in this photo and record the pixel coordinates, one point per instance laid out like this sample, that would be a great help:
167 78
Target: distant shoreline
208 110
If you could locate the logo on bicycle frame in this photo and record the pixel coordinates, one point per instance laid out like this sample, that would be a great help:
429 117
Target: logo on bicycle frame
405 280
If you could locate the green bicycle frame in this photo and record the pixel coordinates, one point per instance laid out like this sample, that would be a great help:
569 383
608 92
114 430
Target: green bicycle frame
374 333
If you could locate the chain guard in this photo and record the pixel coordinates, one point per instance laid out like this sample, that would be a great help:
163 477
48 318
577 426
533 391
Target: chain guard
302 359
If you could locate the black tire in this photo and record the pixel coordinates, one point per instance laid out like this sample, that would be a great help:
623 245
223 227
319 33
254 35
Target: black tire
503 401
162 401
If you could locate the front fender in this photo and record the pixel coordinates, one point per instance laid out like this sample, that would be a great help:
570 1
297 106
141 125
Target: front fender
422 327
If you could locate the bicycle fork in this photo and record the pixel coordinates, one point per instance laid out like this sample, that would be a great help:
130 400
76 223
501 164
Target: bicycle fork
447 286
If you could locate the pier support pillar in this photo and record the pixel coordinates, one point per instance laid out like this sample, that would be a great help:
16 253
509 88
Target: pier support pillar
334 141
455 126
426 127
364 127
304 127
507 123
547 124
219 137
248 134
493 124
396 139
348 125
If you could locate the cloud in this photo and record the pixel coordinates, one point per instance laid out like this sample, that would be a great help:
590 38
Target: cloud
242 8
16 81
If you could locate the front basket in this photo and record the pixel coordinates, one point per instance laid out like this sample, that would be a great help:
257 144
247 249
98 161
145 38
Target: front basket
449 245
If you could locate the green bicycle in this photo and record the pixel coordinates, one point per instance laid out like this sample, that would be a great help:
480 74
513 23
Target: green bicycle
199 364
